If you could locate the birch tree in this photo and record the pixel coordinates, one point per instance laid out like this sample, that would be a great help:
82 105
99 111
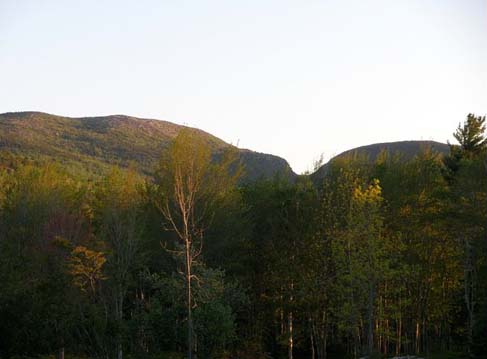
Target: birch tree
191 184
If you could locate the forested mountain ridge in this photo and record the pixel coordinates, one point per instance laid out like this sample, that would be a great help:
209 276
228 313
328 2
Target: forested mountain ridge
97 143
385 258
406 149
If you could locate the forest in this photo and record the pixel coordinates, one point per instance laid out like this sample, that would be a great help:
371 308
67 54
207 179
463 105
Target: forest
381 258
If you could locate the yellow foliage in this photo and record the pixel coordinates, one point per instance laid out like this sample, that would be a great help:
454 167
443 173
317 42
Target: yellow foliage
86 267
370 195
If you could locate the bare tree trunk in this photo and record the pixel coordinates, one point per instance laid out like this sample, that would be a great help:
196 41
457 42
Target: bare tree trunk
424 336
290 337
416 349
60 354
120 319
319 336
281 312
469 282
370 326
188 298
357 346
324 335
379 339
311 337
386 338
399 335
325 338
290 325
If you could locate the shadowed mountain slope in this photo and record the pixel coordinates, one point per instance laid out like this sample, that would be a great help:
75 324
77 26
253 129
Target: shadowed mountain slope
406 149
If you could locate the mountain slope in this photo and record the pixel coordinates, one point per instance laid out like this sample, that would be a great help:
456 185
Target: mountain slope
407 149
97 143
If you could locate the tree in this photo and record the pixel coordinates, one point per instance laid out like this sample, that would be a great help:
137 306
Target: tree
367 224
467 180
344 177
419 297
471 135
40 221
361 264
118 212
191 185
86 267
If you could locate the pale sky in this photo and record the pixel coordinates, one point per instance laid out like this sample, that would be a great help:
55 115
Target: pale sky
295 78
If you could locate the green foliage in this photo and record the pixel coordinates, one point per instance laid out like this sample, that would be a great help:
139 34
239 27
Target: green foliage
471 135
386 256
215 326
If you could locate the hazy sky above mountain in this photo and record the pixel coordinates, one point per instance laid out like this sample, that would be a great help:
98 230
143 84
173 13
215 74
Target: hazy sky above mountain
292 78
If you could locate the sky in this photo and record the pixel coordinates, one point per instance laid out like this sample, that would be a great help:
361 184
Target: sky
294 78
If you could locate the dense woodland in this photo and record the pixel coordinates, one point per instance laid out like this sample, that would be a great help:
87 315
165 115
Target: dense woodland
380 258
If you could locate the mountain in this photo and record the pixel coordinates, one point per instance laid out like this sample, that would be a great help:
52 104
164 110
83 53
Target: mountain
406 149
97 143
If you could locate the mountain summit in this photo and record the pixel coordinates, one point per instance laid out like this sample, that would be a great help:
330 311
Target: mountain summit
97 143
406 149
